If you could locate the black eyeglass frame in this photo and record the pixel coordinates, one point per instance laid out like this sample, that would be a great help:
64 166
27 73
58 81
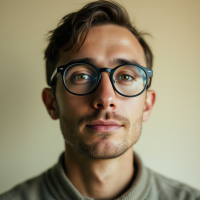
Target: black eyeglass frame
61 69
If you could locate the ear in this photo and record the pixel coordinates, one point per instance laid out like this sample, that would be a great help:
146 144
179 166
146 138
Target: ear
149 102
50 103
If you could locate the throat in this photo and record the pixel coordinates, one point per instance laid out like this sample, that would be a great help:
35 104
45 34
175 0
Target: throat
101 179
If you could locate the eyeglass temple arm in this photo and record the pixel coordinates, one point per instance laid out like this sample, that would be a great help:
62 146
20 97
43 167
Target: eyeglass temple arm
57 70
150 73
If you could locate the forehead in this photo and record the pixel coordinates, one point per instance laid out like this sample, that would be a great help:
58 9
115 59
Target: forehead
104 44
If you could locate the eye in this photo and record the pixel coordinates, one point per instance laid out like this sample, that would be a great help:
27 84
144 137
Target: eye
82 77
125 77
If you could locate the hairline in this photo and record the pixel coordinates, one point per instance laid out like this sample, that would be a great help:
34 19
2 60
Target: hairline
71 50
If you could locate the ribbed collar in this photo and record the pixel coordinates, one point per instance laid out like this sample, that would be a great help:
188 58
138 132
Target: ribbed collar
62 189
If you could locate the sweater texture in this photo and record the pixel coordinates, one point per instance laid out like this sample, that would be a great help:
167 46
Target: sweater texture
147 185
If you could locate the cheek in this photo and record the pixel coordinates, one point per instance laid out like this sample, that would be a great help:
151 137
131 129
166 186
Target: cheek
71 106
134 111
134 107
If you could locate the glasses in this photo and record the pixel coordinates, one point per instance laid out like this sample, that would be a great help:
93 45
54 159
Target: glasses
128 80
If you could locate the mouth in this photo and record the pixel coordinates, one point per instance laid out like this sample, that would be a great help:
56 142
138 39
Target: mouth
103 127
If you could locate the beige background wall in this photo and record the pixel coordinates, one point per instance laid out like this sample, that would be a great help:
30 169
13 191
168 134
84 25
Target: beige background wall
30 142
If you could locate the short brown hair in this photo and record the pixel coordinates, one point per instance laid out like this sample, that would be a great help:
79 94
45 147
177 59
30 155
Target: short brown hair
73 26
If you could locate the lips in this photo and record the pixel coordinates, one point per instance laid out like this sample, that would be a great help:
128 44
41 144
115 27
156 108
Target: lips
104 125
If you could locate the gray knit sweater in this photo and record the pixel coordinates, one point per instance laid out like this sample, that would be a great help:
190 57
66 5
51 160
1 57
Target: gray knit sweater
54 185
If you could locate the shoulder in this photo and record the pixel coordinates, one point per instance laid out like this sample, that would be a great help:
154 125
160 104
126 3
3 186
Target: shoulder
166 188
32 189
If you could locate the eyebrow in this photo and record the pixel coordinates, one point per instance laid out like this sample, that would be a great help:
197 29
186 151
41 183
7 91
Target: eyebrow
115 61
122 61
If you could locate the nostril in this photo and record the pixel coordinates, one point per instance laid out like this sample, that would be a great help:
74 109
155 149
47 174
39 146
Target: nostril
99 105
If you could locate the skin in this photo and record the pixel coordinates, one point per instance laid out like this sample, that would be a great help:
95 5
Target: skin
96 160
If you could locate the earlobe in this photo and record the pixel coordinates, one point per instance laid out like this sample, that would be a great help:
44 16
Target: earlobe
50 103
149 103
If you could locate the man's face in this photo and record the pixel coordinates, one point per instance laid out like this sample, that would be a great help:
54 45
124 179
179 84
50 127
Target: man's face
80 116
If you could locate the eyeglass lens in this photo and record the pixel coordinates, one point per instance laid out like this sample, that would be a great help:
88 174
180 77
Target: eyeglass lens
82 78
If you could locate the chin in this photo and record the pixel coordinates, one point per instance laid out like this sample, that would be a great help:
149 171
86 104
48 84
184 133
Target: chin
103 149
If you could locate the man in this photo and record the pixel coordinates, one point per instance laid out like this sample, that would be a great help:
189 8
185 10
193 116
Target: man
99 69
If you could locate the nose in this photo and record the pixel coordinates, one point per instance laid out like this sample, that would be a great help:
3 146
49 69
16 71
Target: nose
105 96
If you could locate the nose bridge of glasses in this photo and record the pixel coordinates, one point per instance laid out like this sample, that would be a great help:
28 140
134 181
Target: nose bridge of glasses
105 70
109 70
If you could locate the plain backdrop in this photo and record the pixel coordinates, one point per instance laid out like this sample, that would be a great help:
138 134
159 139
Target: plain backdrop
30 142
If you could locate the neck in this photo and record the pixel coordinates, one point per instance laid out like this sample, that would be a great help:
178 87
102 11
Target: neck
97 178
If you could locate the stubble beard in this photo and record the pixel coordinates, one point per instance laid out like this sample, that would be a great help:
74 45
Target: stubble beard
96 150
